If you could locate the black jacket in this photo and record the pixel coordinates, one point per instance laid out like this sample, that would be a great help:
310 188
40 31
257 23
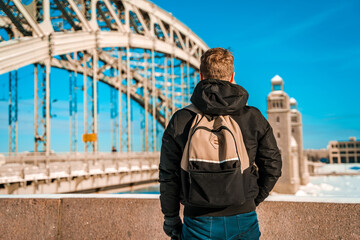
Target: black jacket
216 97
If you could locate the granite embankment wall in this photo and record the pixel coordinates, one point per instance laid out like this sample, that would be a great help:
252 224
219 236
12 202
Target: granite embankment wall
114 217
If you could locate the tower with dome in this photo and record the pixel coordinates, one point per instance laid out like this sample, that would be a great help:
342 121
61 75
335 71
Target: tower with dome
296 132
288 136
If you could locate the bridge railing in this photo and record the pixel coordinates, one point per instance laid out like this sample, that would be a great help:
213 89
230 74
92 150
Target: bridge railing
56 157
37 166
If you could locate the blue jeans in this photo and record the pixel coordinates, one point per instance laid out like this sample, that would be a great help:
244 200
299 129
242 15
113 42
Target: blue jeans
242 226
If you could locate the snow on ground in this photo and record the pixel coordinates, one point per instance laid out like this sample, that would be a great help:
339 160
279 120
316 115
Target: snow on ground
332 187
345 186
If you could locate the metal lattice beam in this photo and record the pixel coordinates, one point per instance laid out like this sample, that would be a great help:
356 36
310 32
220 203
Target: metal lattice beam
163 98
5 7
186 45
119 35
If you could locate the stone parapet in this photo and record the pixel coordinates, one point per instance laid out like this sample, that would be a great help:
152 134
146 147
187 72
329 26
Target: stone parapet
110 216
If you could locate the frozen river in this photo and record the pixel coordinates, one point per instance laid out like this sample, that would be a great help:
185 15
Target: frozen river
319 186
324 186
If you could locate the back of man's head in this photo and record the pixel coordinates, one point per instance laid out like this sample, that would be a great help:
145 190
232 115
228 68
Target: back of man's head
217 63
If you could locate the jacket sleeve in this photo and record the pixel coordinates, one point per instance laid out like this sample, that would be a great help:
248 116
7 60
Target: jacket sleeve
268 160
169 171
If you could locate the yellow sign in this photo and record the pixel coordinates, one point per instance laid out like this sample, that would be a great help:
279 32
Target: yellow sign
89 137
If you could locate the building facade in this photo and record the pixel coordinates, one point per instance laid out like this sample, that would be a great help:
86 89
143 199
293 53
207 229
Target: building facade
344 151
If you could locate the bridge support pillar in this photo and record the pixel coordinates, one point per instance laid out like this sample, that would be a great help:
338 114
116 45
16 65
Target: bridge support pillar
73 109
153 99
114 115
188 93
42 107
128 104
95 99
172 86
119 71
13 111
146 103
90 101
182 85
166 84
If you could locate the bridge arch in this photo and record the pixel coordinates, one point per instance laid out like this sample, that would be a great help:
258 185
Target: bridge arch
133 46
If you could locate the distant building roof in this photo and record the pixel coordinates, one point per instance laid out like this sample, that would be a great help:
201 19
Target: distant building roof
351 139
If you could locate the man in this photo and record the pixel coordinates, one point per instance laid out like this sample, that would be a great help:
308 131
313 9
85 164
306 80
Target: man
216 94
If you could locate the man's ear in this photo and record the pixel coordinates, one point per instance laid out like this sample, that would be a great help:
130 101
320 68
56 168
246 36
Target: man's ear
201 77
232 77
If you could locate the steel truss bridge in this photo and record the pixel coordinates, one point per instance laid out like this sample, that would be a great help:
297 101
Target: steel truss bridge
142 52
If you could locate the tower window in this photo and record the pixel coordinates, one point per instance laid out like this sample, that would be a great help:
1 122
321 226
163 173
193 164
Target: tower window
292 130
278 135
277 119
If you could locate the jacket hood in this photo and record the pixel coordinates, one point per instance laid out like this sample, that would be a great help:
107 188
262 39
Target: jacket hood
217 97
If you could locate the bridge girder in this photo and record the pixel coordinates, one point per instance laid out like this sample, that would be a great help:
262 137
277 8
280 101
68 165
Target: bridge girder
51 30
161 32
67 64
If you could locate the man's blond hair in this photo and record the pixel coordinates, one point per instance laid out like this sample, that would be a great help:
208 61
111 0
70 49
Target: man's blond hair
217 63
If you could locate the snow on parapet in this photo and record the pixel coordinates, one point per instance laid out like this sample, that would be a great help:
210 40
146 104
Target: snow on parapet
276 80
293 101
293 142
293 104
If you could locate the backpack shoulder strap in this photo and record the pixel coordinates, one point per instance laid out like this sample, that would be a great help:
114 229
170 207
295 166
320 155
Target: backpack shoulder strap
194 109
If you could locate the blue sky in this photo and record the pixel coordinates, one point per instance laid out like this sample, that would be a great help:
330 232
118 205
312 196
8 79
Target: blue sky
313 45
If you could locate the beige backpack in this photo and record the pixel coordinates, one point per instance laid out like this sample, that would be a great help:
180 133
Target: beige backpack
214 159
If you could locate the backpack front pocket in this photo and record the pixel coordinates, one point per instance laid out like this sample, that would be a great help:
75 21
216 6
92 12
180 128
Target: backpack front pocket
216 189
